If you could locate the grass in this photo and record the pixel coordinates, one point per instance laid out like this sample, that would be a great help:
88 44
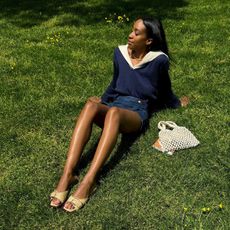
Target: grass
53 57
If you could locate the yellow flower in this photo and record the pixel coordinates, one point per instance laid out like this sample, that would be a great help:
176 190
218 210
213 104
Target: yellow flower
120 18
185 209
206 209
221 206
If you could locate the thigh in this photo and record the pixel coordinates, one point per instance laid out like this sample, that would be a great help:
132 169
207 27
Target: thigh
100 115
130 121
95 110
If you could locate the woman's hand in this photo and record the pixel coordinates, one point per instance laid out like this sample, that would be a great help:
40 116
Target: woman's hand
95 99
184 101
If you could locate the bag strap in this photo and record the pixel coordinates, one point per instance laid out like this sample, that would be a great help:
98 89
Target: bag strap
162 125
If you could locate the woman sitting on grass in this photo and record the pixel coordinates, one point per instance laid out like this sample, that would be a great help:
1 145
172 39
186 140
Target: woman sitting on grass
140 85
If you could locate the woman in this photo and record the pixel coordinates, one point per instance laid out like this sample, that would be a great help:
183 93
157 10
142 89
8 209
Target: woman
140 85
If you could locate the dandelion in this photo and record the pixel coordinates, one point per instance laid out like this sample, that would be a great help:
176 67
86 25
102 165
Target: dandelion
54 38
116 18
13 65
205 210
221 206
120 18
185 209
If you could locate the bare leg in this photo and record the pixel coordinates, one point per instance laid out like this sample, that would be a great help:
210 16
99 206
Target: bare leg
116 120
92 112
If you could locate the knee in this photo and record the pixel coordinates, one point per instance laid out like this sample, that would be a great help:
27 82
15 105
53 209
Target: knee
113 115
90 106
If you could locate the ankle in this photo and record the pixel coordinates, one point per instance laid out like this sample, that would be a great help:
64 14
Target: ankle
68 173
66 181
88 180
83 190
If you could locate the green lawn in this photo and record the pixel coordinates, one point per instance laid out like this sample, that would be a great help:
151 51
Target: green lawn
53 56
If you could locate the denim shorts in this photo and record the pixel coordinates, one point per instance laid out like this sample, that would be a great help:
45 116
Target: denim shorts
134 104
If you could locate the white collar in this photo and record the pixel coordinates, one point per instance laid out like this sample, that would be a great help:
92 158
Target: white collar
147 58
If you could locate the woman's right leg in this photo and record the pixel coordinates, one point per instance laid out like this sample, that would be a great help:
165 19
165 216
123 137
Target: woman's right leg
92 112
116 121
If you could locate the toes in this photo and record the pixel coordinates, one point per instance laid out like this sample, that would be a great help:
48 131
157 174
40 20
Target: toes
55 201
68 205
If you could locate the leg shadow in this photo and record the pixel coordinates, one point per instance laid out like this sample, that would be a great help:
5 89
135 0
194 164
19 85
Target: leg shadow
127 140
87 157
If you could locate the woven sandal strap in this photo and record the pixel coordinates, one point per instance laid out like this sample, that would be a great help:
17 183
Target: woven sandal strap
78 203
59 195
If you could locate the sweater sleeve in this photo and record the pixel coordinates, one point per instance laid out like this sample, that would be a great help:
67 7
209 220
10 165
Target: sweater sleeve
110 93
167 99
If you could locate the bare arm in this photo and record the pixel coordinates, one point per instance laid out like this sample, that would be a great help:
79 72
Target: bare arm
95 99
184 101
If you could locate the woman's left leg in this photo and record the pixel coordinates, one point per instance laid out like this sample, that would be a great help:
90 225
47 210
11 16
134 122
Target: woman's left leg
117 120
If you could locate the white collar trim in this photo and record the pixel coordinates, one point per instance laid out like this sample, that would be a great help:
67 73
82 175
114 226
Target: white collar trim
147 58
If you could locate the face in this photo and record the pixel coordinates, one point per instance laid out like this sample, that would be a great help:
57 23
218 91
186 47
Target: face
138 39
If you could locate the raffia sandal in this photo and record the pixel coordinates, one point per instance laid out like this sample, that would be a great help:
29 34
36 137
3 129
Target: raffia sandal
60 196
76 203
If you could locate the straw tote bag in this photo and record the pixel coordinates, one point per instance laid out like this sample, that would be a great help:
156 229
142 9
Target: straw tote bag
173 137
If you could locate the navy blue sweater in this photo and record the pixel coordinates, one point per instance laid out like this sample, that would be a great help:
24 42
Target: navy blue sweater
149 82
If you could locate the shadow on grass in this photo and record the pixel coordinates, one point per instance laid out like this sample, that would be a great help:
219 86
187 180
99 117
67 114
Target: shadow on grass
28 13
122 150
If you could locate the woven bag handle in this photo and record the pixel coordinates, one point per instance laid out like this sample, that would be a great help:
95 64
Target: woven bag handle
163 124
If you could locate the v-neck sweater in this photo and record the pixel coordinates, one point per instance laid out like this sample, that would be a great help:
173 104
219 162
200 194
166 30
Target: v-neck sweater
148 80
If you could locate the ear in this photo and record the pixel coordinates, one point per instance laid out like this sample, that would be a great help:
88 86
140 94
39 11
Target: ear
149 41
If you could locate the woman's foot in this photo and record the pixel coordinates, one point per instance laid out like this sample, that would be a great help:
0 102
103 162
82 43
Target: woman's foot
81 196
58 198
59 195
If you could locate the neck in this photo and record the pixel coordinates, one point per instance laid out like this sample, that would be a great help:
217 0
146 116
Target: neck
139 55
